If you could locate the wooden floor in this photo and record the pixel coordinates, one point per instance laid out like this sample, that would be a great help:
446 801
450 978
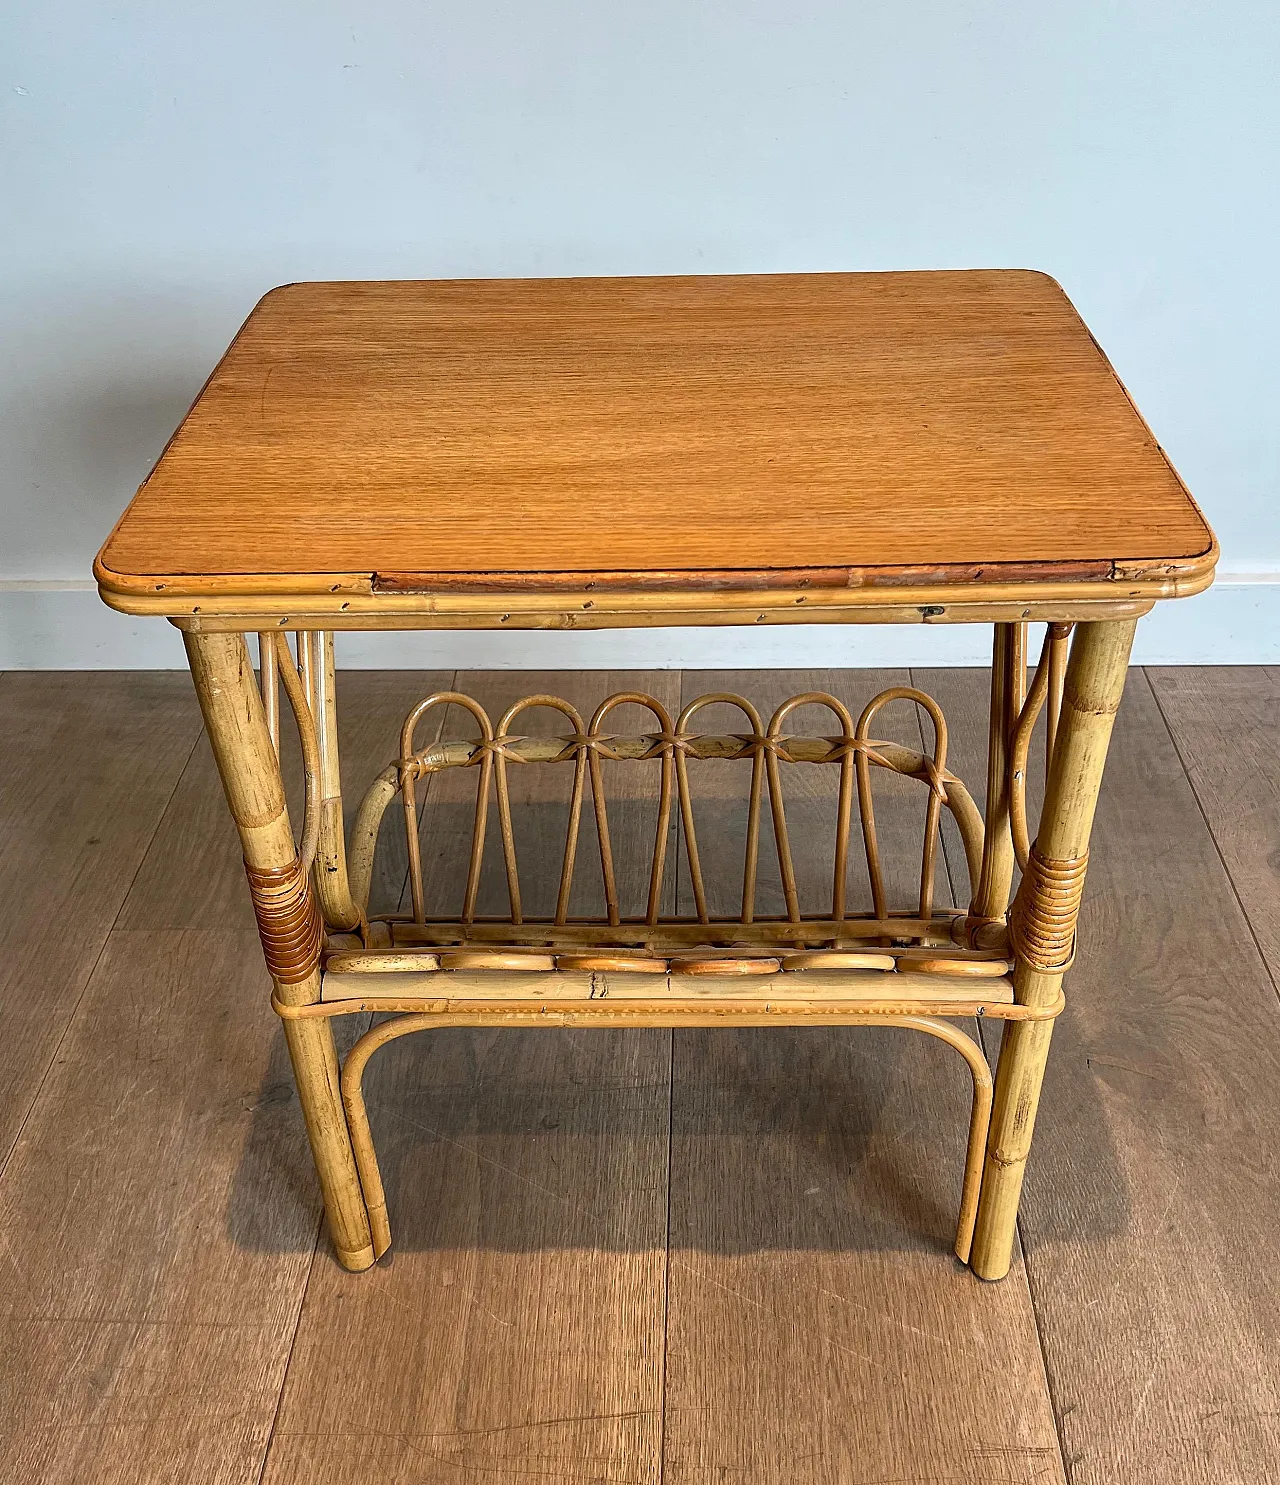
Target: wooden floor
713 1258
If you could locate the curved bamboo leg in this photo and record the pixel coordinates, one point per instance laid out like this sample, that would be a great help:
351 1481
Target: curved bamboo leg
405 1025
979 1118
237 728
366 1156
1094 684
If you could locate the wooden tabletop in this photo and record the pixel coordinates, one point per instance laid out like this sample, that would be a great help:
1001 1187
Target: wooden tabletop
573 450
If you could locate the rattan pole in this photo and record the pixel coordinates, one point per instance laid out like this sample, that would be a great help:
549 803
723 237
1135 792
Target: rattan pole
1059 643
408 1022
237 728
1044 923
332 883
991 899
269 683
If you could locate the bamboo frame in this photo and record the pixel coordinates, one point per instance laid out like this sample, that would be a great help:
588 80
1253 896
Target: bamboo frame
240 735
1044 922
393 964
404 1025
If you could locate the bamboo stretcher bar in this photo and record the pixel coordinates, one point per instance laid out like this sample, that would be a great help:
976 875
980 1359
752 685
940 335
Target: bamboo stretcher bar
805 993
678 932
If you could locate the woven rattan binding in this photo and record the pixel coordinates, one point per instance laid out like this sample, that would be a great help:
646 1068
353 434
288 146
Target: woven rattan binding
1042 924
289 921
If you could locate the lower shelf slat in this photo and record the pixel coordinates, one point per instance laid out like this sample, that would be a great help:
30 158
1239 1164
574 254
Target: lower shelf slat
598 998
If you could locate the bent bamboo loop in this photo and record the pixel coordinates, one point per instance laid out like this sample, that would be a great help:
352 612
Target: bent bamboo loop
844 803
751 855
301 709
353 1100
1046 683
495 750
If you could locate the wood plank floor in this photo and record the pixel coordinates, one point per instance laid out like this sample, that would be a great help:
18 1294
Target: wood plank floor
702 1258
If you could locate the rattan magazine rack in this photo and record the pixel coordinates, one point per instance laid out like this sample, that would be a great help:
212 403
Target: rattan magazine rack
912 965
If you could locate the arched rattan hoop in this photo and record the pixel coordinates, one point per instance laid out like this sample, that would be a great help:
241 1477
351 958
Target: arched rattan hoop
378 1036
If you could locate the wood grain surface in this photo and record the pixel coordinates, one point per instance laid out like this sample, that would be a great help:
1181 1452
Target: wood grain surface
904 428
1148 1216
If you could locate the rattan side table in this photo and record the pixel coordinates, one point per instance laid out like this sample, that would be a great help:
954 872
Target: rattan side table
576 454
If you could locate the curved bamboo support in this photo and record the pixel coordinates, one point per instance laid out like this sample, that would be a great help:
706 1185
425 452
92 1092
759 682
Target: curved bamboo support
751 854
501 742
844 804
677 747
366 1158
1044 684
408 777
341 910
311 686
937 792
294 690
666 746
364 833
1008 685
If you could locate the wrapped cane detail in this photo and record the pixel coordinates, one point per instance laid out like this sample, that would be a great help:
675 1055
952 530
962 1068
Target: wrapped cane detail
1042 923
289 922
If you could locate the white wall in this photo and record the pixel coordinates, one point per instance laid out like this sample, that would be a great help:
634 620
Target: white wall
164 164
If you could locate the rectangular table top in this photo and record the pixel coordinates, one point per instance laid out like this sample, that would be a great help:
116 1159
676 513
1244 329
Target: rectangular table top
863 440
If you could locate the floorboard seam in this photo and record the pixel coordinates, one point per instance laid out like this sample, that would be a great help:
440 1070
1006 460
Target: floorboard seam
1195 794
288 1358
97 959
1050 1390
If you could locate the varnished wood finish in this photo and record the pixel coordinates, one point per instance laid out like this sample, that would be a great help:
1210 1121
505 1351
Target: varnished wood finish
378 448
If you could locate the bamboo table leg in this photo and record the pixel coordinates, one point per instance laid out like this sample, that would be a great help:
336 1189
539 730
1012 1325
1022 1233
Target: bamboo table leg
1043 920
288 917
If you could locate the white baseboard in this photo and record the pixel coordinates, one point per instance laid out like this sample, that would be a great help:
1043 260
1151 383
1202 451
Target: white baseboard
64 626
